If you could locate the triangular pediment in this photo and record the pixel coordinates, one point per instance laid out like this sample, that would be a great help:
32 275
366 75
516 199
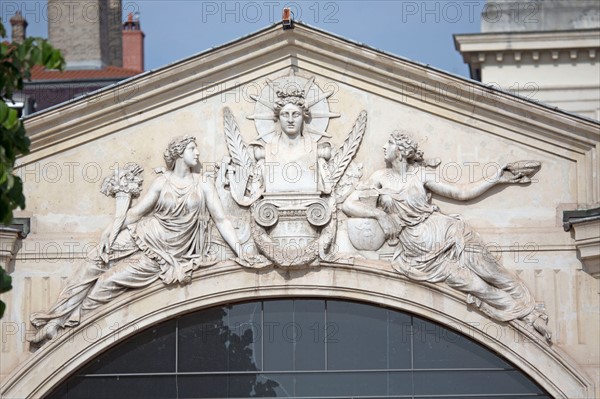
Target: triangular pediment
233 70
454 119
465 129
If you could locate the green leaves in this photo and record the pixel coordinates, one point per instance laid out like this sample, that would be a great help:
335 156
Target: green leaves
17 60
10 119
3 112
11 195
16 63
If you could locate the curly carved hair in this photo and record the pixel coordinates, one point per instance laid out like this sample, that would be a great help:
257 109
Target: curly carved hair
294 97
409 148
175 149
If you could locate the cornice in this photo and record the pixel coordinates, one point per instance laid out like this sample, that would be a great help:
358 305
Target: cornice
477 49
527 41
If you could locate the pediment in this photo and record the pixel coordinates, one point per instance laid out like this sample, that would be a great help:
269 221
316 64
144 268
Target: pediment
231 73
468 126
365 95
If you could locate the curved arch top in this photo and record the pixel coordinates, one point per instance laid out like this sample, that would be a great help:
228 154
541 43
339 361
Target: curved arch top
365 281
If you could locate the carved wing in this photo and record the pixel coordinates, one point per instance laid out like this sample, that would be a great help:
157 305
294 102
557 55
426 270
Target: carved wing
236 146
244 166
340 161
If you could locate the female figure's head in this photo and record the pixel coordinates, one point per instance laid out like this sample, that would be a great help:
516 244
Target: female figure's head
183 147
291 120
291 111
400 146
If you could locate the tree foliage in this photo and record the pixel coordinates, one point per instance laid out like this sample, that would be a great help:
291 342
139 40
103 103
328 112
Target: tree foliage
16 62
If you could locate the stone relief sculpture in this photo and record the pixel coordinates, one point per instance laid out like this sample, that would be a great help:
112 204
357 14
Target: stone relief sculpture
289 175
287 185
164 236
432 246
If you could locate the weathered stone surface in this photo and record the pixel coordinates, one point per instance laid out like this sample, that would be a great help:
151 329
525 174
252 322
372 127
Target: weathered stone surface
76 146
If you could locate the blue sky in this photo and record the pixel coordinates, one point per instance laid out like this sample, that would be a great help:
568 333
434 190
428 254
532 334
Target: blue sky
417 30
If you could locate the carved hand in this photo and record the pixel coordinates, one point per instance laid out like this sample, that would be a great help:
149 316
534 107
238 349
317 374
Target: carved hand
504 175
518 172
253 261
388 225
105 244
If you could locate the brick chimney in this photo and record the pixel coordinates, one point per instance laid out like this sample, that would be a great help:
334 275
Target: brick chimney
19 27
133 44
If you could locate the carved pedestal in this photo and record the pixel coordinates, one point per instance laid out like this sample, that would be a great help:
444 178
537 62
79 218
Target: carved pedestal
288 226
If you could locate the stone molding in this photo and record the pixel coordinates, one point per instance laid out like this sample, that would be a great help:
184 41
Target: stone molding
526 47
506 58
586 232
366 281
9 237
527 42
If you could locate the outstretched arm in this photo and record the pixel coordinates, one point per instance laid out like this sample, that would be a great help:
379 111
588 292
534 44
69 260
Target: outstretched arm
465 192
224 225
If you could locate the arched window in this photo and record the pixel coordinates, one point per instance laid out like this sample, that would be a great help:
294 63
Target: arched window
299 348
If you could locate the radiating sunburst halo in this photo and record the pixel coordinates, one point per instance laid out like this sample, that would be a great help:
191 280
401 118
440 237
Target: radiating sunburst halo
316 100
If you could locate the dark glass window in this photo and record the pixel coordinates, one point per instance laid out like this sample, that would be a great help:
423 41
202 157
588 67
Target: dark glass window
300 348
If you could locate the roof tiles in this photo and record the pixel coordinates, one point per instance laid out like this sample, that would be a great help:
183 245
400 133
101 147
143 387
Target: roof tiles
109 72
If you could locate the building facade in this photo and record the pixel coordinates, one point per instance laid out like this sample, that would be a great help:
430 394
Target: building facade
358 252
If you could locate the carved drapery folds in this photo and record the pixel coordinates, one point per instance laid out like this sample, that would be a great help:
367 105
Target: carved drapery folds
284 200
434 247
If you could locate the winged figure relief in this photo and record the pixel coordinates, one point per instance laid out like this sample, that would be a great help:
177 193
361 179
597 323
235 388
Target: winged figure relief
291 168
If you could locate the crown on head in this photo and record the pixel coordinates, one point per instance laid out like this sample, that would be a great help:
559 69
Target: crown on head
295 92
290 96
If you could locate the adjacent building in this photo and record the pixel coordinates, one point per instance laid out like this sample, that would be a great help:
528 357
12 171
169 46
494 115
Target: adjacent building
544 51
99 50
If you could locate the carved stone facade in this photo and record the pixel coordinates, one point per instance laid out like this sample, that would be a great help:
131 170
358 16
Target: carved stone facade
285 191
